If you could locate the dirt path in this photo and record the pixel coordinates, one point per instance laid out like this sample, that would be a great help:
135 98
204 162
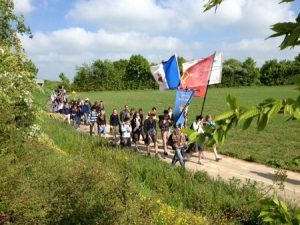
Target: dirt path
229 168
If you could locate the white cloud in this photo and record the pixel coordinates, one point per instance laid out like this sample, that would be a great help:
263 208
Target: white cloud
75 46
23 7
248 17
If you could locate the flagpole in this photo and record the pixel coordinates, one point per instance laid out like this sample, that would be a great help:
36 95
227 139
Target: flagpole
207 85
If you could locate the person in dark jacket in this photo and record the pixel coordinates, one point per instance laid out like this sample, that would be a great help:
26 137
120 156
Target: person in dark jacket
125 114
114 123
136 125
86 110
151 133
101 121
165 125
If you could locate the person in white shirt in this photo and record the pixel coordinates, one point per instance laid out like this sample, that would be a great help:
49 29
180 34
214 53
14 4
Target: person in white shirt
126 130
198 126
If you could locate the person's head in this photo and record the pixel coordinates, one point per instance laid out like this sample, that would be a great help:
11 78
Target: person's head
101 103
170 110
137 115
140 110
208 118
127 120
153 109
166 114
126 107
86 102
94 109
152 115
132 110
96 103
102 112
178 128
198 118
115 112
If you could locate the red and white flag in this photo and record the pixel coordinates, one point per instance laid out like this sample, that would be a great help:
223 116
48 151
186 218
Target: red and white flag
196 76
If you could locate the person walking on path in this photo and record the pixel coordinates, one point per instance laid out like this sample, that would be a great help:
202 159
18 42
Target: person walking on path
126 130
92 120
179 142
114 123
86 110
125 114
209 122
101 121
151 133
198 147
136 125
165 125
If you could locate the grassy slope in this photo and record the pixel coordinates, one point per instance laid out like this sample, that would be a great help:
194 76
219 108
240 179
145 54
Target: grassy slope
282 145
148 185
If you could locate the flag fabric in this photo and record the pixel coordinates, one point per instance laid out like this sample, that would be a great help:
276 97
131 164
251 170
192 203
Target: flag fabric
182 100
197 75
216 71
167 74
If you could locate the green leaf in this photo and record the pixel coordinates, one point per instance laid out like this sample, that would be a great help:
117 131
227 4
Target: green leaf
275 109
268 219
187 131
275 199
193 137
224 116
232 102
252 112
247 123
296 115
262 122
286 1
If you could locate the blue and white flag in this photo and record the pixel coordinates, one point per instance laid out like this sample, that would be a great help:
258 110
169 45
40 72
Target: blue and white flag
182 101
167 74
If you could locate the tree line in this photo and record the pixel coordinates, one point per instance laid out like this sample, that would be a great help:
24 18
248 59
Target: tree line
134 73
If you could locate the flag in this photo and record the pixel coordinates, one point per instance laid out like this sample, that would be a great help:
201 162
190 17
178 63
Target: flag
216 71
197 75
182 100
167 74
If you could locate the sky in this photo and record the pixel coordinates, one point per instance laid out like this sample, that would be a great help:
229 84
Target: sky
70 33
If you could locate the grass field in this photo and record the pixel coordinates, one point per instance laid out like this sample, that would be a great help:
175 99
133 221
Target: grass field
278 144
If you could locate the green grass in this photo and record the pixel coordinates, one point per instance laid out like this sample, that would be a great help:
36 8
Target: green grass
213 198
278 144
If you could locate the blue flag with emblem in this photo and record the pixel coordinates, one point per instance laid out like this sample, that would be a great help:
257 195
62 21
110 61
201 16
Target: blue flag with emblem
182 101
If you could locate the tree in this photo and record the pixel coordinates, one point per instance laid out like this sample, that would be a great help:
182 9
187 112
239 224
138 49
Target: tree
16 81
138 74
11 25
251 72
120 67
81 79
232 73
180 61
290 30
65 81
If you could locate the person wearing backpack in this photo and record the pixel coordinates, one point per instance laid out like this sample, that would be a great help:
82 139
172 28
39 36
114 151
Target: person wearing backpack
165 124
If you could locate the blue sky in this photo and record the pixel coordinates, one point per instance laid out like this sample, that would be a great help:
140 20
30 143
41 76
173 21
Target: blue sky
69 33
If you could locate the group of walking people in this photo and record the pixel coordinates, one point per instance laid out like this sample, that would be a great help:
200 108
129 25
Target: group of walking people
130 126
